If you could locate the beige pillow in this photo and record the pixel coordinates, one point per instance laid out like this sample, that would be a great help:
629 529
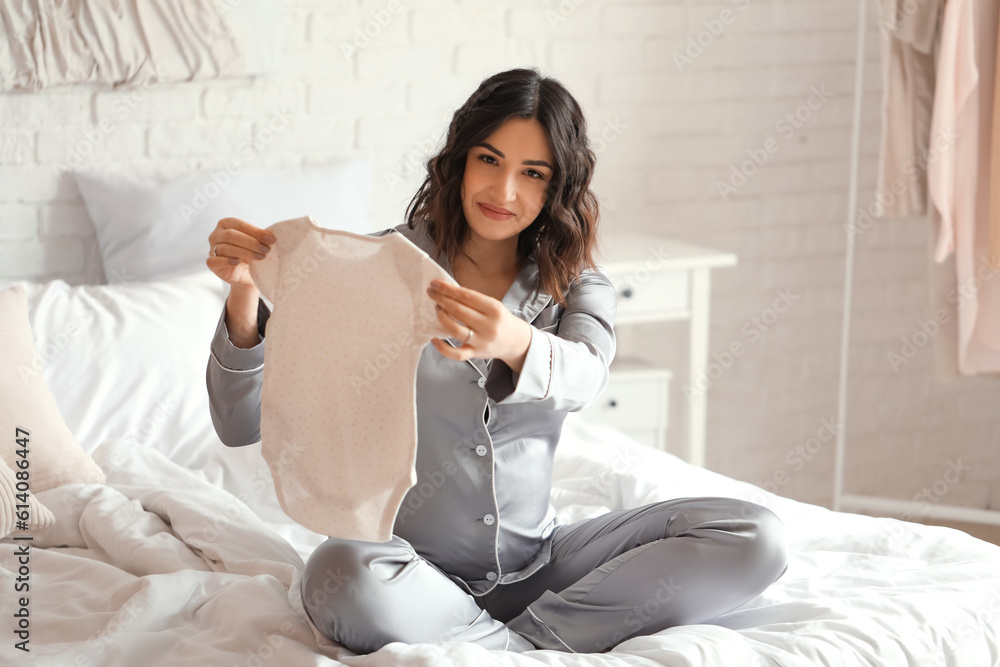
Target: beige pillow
55 458
38 515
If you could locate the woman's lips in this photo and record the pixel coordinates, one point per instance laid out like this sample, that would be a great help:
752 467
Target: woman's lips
493 215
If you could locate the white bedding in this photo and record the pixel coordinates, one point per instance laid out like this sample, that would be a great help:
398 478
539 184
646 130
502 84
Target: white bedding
165 566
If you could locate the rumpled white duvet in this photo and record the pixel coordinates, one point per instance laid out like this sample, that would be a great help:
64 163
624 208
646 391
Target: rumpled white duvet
165 566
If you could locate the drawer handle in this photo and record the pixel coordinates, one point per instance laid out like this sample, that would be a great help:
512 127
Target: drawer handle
612 403
627 292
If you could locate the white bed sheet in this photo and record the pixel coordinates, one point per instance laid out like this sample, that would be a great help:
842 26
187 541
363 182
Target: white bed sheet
165 566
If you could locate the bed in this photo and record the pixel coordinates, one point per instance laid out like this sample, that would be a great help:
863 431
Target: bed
180 553
166 565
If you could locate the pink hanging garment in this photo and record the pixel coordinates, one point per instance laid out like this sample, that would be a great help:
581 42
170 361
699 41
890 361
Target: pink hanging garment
908 41
959 178
338 420
994 241
909 44
942 284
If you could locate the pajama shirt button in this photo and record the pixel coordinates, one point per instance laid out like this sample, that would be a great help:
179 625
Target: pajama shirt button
481 382
481 450
489 519
491 576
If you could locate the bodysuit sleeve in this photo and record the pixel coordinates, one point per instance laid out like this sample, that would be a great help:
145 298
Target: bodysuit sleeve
427 323
568 370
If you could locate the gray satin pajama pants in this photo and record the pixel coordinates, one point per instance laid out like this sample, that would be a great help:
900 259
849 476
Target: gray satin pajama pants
626 573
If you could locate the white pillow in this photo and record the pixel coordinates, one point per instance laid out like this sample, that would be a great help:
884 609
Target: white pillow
149 227
128 360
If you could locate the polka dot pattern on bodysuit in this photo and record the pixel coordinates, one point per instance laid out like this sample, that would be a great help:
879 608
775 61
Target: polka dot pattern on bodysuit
350 318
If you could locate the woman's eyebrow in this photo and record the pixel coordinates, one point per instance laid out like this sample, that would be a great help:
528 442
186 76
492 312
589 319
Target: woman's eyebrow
537 163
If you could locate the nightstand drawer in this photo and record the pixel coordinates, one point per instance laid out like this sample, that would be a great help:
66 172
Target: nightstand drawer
648 295
632 400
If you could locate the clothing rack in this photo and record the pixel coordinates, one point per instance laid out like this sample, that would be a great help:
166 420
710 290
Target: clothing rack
853 502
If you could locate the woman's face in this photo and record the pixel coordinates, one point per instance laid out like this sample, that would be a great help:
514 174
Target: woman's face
509 170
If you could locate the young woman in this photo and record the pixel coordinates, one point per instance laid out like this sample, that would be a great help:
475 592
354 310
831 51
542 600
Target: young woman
477 554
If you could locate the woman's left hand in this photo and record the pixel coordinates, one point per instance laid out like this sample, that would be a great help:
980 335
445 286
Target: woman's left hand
496 332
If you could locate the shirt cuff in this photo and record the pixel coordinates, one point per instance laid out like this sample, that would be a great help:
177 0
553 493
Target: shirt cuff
535 379
235 358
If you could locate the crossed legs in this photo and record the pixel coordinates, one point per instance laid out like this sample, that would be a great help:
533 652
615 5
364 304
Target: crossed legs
622 574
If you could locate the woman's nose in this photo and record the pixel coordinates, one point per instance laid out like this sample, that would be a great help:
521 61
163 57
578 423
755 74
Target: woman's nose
506 188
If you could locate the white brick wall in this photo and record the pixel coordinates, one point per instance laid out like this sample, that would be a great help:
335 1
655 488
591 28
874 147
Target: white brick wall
393 96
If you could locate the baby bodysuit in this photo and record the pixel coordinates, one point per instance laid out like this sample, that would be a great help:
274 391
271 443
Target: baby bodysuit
338 425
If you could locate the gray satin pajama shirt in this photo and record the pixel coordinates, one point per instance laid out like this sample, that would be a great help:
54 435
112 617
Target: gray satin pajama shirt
477 554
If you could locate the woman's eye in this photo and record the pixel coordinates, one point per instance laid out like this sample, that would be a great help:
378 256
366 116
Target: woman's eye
536 174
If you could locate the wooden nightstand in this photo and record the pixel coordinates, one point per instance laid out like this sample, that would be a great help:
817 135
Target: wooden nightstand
635 402
658 280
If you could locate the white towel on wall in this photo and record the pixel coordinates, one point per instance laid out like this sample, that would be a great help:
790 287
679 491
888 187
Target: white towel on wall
50 43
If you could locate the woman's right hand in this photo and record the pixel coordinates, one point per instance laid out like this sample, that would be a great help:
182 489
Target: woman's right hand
236 244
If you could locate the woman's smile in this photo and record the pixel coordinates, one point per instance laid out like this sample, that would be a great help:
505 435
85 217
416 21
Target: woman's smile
493 213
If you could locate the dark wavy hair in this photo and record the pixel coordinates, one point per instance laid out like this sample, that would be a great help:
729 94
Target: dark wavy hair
564 235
